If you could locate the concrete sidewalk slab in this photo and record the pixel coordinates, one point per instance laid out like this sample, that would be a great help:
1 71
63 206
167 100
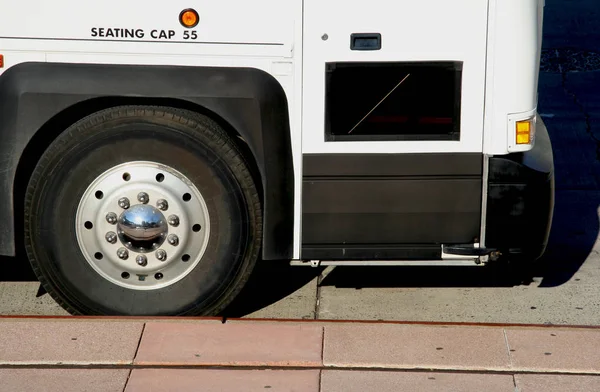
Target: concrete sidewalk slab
551 383
64 343
362 381
191 354
63 380
560 350
415 347
252 344
291 295
188 380
18 298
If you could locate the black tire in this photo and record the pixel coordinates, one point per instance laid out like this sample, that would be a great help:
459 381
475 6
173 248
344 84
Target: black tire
191 143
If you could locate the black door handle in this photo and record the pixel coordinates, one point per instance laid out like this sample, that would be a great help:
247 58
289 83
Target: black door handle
365 41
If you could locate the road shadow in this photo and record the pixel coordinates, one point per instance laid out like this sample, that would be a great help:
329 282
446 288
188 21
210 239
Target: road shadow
270 282
569 83
16 269
418 277
573 235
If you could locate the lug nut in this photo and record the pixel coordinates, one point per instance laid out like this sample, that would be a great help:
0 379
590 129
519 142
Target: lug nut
123 254
124 203
173 239
161 254
162 204
141 260
173 220
111 218
111 237
143 197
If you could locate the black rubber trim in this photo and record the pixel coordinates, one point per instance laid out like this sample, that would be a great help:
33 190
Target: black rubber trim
422 165
371 252
521 200
356 38
379 201
467 250
251 101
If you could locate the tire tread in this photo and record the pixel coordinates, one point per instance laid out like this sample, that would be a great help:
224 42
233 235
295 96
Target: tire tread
220 142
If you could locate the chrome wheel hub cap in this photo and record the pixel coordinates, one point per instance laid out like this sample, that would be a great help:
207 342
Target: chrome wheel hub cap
142 228
142 225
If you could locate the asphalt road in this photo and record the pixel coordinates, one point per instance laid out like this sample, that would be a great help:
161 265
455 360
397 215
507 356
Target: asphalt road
565 288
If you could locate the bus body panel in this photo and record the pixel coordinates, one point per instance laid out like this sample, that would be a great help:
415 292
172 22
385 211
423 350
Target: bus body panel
248 99
411 31
301 44
513 59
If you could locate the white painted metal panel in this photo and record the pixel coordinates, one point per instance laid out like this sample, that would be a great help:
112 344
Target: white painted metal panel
260 27
262 34
515 40
425 30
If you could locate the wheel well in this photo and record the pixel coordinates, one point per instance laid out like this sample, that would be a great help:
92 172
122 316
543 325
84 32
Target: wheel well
60 122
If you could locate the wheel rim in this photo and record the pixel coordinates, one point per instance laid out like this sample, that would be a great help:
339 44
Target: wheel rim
142 225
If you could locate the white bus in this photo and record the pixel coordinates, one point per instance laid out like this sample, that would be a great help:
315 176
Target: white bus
152 152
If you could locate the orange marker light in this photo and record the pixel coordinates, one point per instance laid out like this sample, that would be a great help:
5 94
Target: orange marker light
189 18
1 61
524 131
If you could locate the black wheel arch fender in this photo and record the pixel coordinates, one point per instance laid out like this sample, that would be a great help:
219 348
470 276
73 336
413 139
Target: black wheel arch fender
250 100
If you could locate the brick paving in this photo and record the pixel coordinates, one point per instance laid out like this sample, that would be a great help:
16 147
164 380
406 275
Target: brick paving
257 344
93 354
68 343
415 347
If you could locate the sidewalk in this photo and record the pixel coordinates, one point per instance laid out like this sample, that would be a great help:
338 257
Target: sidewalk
132 354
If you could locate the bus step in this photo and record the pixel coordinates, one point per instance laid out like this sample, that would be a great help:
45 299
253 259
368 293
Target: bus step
467 250
475 261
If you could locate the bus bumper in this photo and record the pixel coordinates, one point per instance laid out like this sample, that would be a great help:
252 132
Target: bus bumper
520 200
